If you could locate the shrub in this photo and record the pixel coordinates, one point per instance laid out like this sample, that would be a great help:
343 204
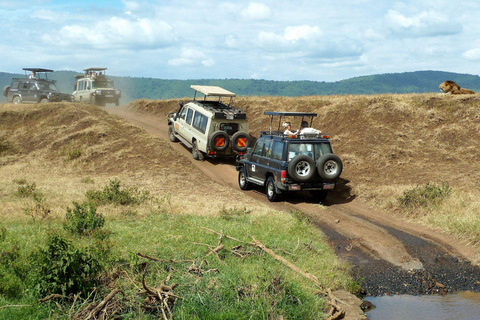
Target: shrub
113 193
39 210
424 196
83 219
28 190
64 269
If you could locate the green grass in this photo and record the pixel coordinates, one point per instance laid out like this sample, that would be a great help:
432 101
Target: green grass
254 286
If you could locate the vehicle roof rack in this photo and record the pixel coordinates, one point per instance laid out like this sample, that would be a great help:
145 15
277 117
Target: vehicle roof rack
219 109
212 91
94 69
281 114
37 69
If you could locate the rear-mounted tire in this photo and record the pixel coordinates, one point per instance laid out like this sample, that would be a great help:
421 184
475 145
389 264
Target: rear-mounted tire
240 141
301 168
5 91
329 166
219 141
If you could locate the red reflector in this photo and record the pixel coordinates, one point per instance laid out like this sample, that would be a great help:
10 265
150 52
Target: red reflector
283 175
211 153
220 142
242 142
326 136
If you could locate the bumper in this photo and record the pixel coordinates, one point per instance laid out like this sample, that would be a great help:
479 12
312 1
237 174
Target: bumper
306 187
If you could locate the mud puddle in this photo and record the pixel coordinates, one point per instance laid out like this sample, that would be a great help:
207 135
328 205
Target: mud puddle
464 305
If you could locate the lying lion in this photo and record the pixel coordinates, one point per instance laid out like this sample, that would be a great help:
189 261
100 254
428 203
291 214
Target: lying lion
453 88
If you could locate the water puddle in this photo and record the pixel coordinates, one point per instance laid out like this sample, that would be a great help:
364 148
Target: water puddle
464 305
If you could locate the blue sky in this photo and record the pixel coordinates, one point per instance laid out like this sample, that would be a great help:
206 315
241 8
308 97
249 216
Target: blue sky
273 40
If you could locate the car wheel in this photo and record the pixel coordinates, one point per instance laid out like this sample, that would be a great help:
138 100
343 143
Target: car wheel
5 91
319 195
301 168
17 100
44 100
219 140
271 190
242 180
197 154
329 166
240 141
171 134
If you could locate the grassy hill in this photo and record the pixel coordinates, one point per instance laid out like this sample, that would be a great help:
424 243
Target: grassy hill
147 88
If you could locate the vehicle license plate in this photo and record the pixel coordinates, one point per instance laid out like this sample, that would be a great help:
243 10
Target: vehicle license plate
108 96
328 186
294 187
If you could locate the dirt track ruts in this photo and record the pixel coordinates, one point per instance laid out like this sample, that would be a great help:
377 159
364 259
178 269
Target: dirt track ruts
390 255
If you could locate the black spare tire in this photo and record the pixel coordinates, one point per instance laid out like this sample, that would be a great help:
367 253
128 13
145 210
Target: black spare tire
301 168
240 141
329 166
5 91
219 141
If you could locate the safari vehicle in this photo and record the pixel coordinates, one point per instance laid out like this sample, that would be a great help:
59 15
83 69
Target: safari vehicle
34 88
94 87
285 163
209 126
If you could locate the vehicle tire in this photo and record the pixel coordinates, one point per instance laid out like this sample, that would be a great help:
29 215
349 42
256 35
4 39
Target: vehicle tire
301 168
271 190
93 100
44 100
171 134
319 195
242 180
117 102
243 138
216 145
5 91
197 154
329 166
17 100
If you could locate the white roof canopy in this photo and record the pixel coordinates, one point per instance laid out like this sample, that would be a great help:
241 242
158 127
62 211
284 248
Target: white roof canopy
212 91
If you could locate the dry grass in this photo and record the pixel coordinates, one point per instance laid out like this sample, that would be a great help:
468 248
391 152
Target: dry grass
389 143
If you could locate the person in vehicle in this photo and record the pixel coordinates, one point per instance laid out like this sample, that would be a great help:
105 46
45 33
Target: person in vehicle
288 129
305 129
33 75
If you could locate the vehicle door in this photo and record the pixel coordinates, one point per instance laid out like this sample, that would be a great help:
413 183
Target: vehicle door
277 162
29 91
259 160
185 124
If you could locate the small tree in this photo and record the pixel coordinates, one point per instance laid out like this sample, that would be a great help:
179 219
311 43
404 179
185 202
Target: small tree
83 219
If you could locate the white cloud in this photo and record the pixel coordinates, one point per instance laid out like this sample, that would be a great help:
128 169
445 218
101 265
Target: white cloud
472 54
303 32
255 12
191 56
423 24
117 33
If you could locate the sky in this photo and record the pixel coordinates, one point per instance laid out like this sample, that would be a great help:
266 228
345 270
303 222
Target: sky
218 39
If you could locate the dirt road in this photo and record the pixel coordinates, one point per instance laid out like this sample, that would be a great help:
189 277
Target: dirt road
390 255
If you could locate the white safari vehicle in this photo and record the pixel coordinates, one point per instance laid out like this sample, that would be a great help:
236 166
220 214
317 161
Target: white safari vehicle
94 87
210 126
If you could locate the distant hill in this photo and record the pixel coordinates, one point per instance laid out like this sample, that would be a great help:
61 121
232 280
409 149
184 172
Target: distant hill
134 88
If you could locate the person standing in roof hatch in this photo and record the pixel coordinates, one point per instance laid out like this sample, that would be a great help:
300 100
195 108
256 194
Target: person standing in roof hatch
288 128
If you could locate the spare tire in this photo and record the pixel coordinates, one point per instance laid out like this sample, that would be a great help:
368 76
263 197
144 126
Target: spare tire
5 91
301 168
329 166
219 141
240 141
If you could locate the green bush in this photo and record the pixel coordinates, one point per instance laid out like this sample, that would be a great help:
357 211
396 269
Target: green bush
424 196
83 219
27 190
64 269
113 193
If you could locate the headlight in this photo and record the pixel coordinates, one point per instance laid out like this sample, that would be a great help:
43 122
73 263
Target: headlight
117 91
98 91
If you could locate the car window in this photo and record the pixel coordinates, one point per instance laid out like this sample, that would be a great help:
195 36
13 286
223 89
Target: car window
277 150
229 128
300 148
189 116
183 114
15 85
321 149
103 84
268 149
200 122
259 147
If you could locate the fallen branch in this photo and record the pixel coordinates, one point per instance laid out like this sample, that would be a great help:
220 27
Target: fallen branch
16 306
102 304
52 296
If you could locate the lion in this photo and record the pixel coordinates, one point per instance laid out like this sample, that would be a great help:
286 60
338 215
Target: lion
453 88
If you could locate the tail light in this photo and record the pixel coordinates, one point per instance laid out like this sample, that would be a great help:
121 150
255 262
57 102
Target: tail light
283 175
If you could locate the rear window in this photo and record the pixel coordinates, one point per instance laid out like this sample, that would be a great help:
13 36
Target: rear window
229 128
314 151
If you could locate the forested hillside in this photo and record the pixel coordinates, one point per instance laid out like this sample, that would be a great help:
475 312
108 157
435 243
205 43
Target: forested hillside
148 88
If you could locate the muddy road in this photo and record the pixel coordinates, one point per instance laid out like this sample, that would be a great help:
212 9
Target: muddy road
389 255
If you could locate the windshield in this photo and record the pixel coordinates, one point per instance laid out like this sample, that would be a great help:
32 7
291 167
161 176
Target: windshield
314 151
103 84
47 86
